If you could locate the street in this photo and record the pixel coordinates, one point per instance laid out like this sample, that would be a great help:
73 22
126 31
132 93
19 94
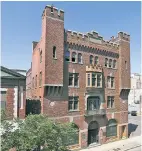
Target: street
136 149
134 127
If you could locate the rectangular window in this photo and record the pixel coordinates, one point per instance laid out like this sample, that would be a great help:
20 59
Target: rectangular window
93 79
74 79
110 102
88 78
40 79
73 103
70 79
98 80
93 103
3 100
110 82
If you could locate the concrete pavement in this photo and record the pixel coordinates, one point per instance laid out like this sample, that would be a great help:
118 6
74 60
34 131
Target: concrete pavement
136 149
132 144
134 126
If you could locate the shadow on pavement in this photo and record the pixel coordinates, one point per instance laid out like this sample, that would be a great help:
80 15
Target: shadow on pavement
131 128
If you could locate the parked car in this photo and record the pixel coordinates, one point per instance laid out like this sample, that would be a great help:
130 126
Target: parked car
134 113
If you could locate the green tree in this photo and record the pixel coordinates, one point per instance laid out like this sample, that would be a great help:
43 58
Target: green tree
36 131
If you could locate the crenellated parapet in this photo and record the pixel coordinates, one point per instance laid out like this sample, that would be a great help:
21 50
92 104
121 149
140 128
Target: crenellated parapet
93 37
53 12
77 35
124 36
110 44
94 68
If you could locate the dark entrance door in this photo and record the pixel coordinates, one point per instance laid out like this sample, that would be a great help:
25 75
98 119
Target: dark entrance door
92 136
93 133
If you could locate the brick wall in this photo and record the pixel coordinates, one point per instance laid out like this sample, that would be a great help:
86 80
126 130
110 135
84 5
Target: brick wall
10 96
9 102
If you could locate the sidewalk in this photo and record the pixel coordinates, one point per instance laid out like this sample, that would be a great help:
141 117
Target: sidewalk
121 145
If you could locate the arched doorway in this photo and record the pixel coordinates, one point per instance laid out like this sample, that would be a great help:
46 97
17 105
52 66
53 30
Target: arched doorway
93 130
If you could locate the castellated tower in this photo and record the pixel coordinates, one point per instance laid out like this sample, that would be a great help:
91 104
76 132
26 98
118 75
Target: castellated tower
54 45
124 59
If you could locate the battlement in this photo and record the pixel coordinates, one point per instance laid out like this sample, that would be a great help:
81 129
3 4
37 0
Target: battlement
123 35
110 44
53 12
92 37
76 34
94 34
94 68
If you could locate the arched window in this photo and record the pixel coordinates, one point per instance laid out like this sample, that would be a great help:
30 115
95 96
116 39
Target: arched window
54 52
80 58
114 63
91 59
111 129
96 60
74 57
40 56
110 63
106 62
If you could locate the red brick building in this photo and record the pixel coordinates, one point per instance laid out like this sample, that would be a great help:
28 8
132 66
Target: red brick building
13 93
81 78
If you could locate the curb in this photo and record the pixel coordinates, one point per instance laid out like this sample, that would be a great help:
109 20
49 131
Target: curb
132 147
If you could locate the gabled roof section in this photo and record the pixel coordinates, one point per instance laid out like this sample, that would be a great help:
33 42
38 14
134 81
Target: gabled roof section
8 73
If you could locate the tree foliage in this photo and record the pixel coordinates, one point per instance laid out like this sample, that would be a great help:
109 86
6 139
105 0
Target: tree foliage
34 132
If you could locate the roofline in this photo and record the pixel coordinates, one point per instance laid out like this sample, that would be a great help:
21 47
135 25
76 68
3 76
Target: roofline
19 70
12 72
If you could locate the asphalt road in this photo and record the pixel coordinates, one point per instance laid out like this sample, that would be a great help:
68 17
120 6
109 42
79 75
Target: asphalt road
134 127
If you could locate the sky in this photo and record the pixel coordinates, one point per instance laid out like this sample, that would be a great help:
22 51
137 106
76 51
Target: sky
21 24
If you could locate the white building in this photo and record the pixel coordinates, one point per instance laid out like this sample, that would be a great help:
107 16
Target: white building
135 95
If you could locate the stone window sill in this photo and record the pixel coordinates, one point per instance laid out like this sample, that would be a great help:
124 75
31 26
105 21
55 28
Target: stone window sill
80 63
111 88
74 62
111 108
73 87
73 111
55 58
